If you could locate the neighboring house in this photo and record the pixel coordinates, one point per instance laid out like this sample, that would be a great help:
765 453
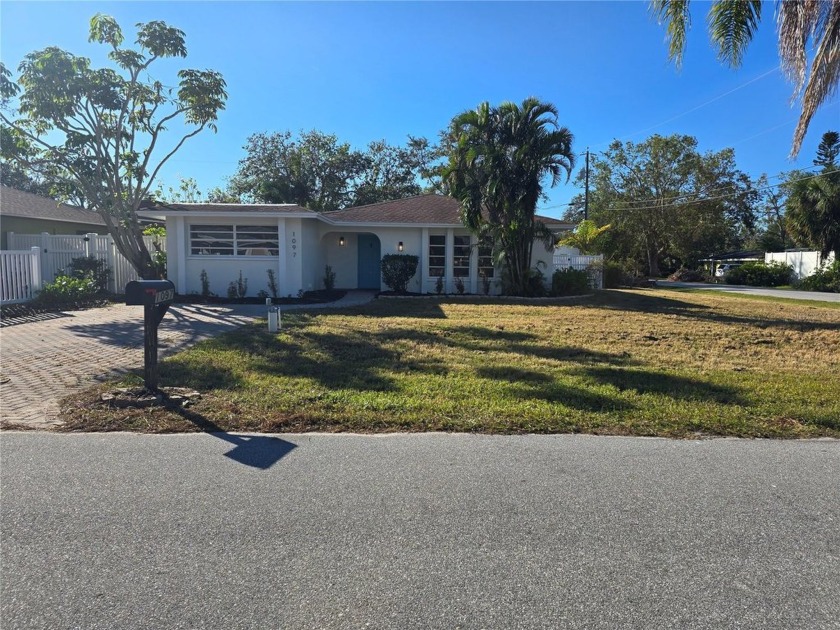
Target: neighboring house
297 244
804 262
735 258
26 213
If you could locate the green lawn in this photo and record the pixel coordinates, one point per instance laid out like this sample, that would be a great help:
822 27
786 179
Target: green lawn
644 362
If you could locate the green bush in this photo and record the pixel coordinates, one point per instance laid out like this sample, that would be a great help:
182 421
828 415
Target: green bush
238 288
760 274
569 282
157 253
827 278
67 291
534 283
397 270
90 267
613 275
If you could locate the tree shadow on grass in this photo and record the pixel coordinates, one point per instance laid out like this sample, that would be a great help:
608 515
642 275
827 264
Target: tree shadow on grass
476 339
513 374
350 360
488 333
572 353
413 308
256 451
663 384
199 375
530 384
642 302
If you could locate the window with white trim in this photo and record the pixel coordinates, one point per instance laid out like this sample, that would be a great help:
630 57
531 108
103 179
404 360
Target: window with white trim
485 262
234 240
461 257
437 255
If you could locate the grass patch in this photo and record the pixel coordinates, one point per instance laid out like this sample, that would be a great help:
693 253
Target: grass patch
633 362
761 298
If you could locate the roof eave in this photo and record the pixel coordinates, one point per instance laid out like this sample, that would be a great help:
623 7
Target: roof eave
154 214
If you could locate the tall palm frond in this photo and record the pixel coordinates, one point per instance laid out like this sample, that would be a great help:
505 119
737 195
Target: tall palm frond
677 19
732 25
820 21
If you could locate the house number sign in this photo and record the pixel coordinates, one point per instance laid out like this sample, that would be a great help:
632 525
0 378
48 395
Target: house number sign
294 245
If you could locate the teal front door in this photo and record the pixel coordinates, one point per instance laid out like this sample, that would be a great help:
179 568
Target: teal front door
369 257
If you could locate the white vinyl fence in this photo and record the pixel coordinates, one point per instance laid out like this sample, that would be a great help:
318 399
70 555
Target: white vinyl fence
593 265
803 263
55 253
20 275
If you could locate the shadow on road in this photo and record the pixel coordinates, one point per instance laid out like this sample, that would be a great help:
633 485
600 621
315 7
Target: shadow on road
257 451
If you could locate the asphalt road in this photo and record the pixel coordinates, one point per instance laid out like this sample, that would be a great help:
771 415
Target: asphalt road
417 531
744 290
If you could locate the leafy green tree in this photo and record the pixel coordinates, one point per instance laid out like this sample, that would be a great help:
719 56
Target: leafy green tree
41 182
393 172
317 171
828 149
669 203
772 234
802 26
100 130
499 160
186 192
314 170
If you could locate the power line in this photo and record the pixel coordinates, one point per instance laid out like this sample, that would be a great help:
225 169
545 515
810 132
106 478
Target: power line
697 200
696 107
714 190
779 176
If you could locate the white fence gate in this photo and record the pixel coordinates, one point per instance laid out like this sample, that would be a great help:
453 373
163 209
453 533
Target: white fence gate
20 275
55 253
593 265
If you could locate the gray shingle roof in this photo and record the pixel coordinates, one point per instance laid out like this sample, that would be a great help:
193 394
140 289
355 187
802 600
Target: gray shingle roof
423 209
16 203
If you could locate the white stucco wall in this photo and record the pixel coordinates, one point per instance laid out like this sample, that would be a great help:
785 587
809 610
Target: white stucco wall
307 245
344 259
296 237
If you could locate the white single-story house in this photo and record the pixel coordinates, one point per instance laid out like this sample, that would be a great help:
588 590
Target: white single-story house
297 244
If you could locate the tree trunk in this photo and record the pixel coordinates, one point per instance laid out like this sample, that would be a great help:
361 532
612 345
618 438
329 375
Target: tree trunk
653 262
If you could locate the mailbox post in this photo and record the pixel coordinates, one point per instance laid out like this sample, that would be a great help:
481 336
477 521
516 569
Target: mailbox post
154 296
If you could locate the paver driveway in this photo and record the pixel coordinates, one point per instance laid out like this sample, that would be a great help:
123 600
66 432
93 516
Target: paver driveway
45 360
42 361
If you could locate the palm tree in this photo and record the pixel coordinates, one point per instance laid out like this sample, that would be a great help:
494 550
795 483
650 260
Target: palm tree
732 24
586 236
499 159
813 210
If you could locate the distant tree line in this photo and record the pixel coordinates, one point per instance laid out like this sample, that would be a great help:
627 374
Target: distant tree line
670 206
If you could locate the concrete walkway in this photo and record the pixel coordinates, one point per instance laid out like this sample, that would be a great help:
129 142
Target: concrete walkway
734 288
43 360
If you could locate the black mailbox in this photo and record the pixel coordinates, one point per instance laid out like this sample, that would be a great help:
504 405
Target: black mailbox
152 292
154 296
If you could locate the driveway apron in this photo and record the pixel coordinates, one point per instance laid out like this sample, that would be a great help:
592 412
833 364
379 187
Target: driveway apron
43 360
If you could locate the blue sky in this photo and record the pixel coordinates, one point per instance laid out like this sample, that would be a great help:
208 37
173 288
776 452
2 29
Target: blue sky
367 71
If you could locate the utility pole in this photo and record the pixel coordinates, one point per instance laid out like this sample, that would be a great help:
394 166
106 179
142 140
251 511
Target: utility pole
586 193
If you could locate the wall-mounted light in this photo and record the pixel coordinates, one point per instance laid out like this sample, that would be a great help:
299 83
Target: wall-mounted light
341 241
400 246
